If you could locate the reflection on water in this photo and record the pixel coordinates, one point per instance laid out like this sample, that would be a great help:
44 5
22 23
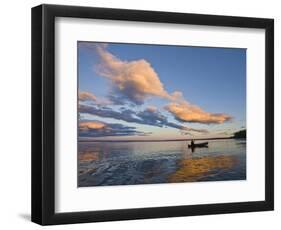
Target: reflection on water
202 168
120 163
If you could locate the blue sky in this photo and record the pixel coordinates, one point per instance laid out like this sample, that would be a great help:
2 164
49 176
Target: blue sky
210 85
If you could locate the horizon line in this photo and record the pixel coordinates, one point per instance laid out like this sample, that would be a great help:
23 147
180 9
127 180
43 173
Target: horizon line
162 140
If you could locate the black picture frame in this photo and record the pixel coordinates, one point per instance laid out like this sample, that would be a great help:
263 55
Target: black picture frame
43 114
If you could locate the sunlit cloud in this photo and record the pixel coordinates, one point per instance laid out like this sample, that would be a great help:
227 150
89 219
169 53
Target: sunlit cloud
186 112
132 81
135 81
150 116
91 98
86 96
86 125
102 129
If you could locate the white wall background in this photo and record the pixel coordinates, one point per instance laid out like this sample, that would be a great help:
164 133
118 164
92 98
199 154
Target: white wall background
15 114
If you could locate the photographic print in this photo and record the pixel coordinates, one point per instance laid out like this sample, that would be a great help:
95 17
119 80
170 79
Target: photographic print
176 109
150 114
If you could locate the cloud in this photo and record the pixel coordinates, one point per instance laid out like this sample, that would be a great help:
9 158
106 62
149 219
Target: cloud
125 115
150 116
185 112
86 96
132 81
90 97
152 108
91 125
135 81
102 129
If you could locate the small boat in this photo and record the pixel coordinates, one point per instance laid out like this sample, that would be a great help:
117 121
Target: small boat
199 145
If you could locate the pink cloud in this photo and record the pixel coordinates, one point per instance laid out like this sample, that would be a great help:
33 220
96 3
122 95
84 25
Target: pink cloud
185 112
90 97
134 80
86 125
86 96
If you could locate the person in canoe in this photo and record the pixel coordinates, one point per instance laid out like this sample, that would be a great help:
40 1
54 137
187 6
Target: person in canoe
192 143
199 145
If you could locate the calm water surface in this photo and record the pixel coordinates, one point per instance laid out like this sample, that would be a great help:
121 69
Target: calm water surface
127 163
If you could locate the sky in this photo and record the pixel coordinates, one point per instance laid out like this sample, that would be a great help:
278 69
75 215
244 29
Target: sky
141 92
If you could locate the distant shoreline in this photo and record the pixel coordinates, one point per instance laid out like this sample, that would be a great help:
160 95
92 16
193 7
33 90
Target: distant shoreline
199 139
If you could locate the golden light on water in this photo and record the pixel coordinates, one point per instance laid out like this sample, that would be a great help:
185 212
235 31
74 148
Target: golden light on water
88 156
194 169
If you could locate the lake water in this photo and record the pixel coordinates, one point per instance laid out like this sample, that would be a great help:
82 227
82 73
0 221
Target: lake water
128 163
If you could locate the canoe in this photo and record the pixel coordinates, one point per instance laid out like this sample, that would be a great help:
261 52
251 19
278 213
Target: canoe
199 145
